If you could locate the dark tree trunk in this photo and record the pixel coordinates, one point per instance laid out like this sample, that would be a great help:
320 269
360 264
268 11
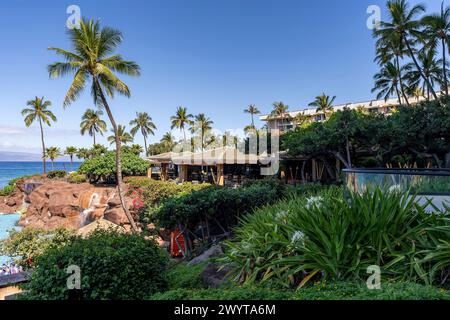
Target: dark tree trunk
420 69
118 159
444 67
400 79
43 147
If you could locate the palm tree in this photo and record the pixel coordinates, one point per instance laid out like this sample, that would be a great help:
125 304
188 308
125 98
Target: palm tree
387 81
168 140
280 111
203 124
431 68
53 153
252 110
39 111
392 49
416 92
91 122
124 136
92 59
143 122
83 153
71 151
437 28
323 103
181 119
300 119
403 24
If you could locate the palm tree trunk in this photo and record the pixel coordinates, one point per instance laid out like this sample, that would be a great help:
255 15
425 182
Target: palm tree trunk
420 70
118 159
347 149
400 78
444 67
398 95
53 164
253 122
145 144
94 138
43 146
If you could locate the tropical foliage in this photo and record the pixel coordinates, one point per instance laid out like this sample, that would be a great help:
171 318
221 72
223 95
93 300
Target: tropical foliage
113 267
325 236
103 168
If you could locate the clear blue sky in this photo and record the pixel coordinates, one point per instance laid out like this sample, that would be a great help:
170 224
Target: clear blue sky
211 56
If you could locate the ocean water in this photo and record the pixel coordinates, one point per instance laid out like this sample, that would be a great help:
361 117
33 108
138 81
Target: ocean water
7 222
11 170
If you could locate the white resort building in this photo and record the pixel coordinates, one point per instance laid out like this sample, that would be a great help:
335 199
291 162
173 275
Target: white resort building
287 121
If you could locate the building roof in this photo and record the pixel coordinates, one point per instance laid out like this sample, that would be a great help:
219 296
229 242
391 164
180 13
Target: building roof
222 155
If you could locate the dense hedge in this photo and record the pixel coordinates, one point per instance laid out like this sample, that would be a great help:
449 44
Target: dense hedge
29 243
155 192
104 166
217 204
112 265
320 291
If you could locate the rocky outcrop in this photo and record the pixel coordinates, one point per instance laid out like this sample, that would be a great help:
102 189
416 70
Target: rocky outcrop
56 204
14 202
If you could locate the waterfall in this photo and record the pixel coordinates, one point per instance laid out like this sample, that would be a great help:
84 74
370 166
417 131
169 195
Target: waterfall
94 201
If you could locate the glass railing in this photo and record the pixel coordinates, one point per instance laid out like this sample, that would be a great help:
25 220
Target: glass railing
417 181
429 184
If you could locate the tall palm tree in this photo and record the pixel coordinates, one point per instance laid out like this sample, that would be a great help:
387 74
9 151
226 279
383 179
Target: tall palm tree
52 153
91 122
181 119
392 49
39 111
403 23
252 110
323 103
431 68
387 81
437 29
168 139
203 125
71 151
143 123
92 59
124 136
280 111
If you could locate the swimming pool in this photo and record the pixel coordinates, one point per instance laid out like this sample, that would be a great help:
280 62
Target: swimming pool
7 222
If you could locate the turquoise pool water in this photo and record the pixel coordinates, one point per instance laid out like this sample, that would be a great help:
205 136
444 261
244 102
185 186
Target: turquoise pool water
7 222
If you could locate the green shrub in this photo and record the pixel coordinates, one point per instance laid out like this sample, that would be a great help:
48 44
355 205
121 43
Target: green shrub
238 293
184 276
318 291
216 204
104 166
31 243
76 177
332 237
56 174
359 291
112 265
7 190
154 192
